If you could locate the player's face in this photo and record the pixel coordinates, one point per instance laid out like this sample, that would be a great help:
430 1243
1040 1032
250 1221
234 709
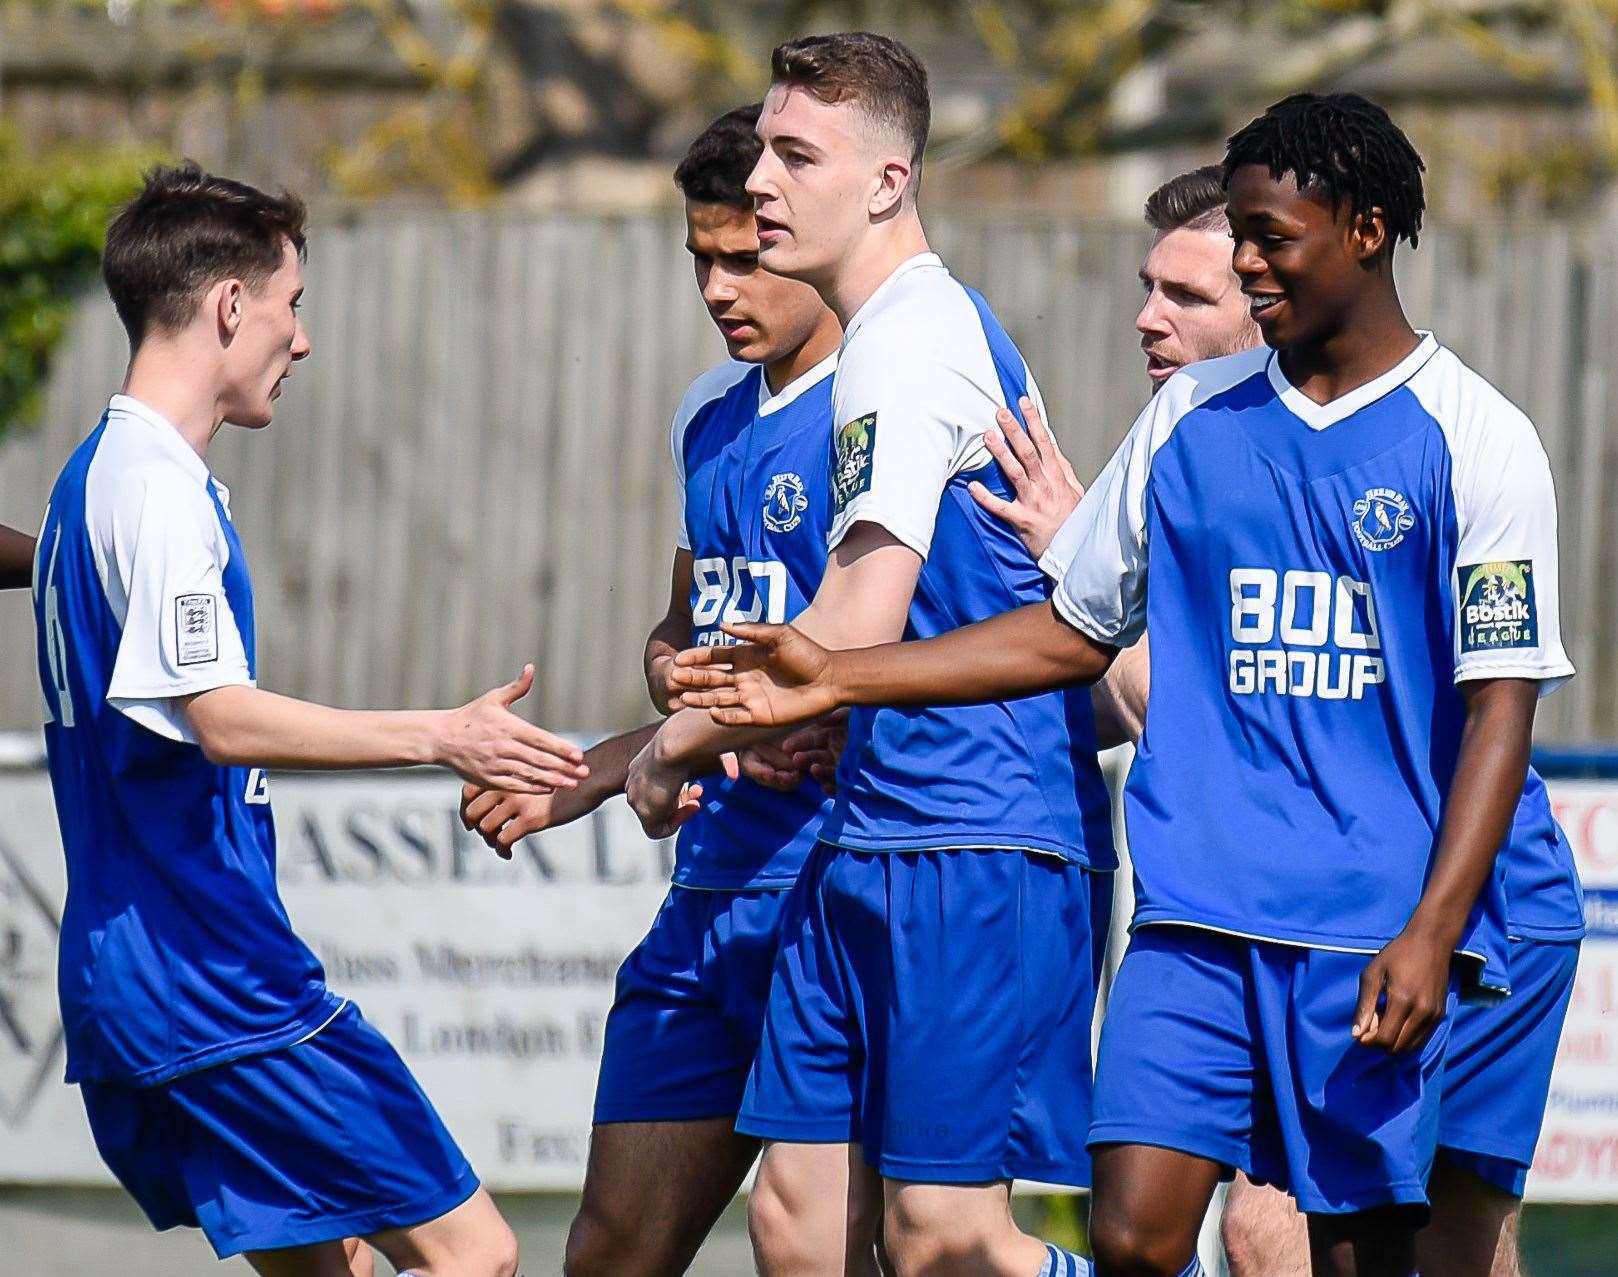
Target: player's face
1194 305
1298 260
814 185
761 316
267 342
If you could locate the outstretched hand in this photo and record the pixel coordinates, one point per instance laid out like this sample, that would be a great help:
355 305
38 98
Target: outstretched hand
490 746
502 819
1045 487
776 677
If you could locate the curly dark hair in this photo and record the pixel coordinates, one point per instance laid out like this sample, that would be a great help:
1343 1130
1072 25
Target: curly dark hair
1343 146
716 165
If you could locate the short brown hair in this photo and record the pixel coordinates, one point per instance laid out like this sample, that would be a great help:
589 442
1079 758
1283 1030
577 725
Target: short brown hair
184 232
876 71
1194 201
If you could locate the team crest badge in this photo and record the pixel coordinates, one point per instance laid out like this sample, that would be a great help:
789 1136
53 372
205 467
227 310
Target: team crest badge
1381 518
784 503
851 470
1497 606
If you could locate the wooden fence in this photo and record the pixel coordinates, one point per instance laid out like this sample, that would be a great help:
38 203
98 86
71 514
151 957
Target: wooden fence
472 470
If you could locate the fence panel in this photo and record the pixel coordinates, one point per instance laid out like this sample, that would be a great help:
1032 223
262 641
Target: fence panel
472 470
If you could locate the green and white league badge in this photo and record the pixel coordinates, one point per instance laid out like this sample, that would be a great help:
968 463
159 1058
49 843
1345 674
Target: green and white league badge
1497 606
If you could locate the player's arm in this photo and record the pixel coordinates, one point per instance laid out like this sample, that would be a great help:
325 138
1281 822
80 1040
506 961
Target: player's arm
1119 697
483 741
1404 989
182 670
863 598
16 559
1045 492
671 635
501 819
783 677
1506 536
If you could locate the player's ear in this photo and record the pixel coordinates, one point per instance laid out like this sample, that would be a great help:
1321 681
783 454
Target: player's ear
227 305
888 192
1368 234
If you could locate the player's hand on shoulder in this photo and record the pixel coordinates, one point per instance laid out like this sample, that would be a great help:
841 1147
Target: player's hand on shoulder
1404 991
489 745
1046 489
776 677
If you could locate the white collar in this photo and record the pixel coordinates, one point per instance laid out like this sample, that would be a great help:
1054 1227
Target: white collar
916 262
1317 416
768 403
163 433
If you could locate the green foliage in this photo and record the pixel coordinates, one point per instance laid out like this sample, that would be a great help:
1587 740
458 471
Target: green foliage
54 208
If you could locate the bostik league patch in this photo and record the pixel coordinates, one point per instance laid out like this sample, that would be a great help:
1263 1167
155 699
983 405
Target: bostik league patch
1497 606
851 471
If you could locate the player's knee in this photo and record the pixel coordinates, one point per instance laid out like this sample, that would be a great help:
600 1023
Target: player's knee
1122 1248
1244 1239
774 1227
924 1237
595 1245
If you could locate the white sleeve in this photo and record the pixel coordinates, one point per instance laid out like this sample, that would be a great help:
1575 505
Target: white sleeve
1101 550
907 422
1507 622
167 554
682 536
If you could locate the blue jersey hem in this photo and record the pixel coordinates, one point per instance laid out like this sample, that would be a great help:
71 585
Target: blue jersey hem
722 882
1482 983
315 1018
899 843
1547 935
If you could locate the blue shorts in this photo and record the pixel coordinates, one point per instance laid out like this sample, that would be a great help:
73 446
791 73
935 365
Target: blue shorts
935 1007
1240 1051
1497 1073
685 1023
326 1139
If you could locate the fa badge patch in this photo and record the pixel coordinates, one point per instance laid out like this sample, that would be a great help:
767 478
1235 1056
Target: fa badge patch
1497 606
851 472
196 632
784 503
1381 518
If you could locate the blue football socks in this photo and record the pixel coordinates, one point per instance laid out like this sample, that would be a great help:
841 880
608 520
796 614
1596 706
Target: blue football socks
1064 1263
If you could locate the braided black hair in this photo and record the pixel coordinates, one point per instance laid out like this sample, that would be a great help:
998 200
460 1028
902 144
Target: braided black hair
1342 145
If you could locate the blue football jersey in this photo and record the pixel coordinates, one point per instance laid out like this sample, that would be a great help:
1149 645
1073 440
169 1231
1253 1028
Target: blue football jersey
752 468
925 366
176 952
1544 900
1321 579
